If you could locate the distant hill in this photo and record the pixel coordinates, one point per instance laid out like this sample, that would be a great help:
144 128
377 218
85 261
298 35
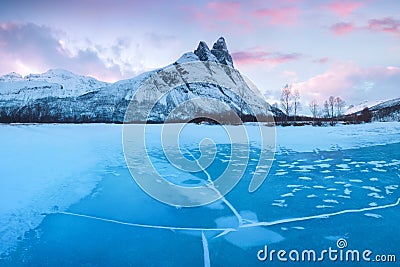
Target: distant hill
388 110
352 109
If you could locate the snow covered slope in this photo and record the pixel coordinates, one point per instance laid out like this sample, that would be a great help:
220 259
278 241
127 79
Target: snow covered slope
61 96
382 110
387 110
53 83
365 104
386 104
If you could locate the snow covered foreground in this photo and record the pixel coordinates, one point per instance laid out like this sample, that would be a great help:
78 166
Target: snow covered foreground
44 168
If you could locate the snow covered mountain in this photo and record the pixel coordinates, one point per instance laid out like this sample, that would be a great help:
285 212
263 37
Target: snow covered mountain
364 104
386 111
382 110
53 83
61 96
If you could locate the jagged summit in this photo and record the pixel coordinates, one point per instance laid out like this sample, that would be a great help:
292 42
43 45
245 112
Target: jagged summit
204 53
219 52
220 44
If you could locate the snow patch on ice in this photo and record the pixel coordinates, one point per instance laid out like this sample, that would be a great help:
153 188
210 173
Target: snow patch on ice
331 201
323 165
375 195
305 178
323 206
355 180
372 188
287 195
373 215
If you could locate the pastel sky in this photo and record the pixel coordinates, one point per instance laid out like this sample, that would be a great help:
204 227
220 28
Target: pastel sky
342 48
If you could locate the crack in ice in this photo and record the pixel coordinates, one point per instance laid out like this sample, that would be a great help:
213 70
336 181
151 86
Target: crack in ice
206 251
210 185
322 216
225 231
143 225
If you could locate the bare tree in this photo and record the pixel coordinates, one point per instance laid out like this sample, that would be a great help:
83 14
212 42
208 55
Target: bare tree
339 104
333 107
314 108
327 111
331 103
286 100
296 102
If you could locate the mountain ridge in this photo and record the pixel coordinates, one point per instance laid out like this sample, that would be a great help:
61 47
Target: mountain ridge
381 110
61 96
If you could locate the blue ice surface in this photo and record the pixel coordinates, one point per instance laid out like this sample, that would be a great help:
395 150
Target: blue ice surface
299 185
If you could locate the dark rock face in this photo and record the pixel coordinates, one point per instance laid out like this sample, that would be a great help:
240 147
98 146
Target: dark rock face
204 53
277 112
220 51
220 44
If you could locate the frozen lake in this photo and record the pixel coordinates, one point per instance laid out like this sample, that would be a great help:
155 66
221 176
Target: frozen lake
67 198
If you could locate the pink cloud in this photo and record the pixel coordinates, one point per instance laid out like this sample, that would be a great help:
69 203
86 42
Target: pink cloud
352 83
343 8
225 10
279 15
261 57
220 14
323 60
283 58
389 25
245 57
342 28
331 82
236 16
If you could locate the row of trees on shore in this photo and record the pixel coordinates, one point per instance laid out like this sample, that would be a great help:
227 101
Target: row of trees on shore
331 110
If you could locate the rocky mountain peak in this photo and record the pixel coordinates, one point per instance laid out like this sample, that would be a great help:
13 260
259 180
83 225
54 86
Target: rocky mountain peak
219 53
204 53
220 44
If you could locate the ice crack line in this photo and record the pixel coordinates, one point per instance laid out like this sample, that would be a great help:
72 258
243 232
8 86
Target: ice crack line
206 251
211 185
321 216
227 230
145 225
